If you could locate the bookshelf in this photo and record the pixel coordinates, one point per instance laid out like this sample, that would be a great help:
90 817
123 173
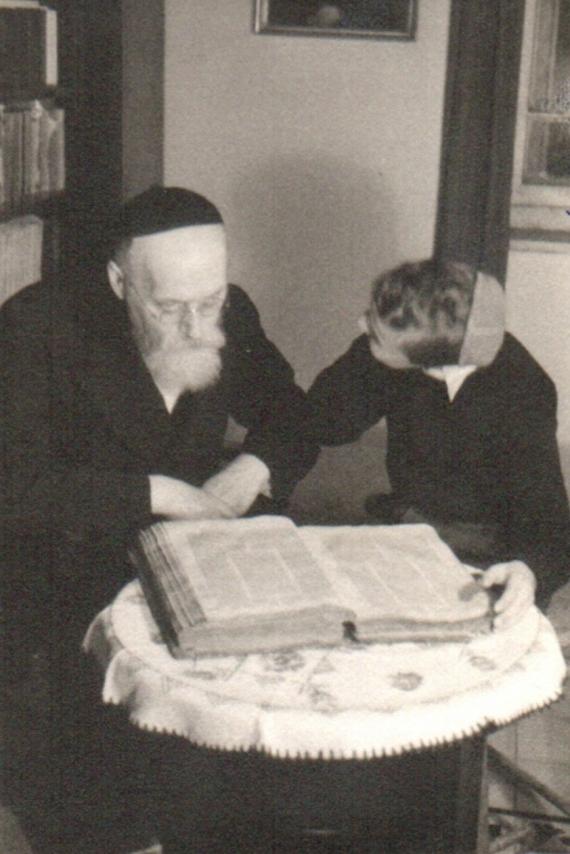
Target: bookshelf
92 72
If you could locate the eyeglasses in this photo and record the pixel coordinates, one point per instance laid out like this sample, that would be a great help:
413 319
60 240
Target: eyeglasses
174 311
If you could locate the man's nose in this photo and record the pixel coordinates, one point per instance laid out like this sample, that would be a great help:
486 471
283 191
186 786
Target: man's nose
191 322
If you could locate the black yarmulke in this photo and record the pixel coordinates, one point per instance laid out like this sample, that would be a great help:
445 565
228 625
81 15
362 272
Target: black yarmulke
161 209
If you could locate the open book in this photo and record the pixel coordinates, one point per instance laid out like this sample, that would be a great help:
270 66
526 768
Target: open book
261 584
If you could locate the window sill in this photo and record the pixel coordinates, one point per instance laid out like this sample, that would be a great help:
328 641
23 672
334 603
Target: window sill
539 240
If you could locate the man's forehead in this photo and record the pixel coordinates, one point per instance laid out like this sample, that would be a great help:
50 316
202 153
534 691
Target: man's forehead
192 243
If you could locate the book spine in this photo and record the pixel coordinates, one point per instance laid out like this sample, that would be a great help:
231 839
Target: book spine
19 4
13 157
174 583
8 51
20 254
51 68
43 148
56 150
158 605
168 591
23 41
2 159
35 50
32 119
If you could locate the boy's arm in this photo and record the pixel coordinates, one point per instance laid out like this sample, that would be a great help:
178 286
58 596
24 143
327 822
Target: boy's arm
348 397
538 527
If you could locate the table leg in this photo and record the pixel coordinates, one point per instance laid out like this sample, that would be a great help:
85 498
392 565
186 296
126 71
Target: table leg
472 826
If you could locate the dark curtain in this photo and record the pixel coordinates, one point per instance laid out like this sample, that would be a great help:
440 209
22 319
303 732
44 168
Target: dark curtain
478 133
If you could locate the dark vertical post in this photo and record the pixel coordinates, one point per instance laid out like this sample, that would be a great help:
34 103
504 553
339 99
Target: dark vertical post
478 132
472 831
112 79
143 94
91 68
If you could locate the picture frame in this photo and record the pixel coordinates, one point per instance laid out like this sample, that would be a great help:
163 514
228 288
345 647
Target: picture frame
371 19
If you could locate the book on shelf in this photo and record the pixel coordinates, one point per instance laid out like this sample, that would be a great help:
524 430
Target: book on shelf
32 152
29 40
20 254
51 152
31 131
12 145
263 584
51 64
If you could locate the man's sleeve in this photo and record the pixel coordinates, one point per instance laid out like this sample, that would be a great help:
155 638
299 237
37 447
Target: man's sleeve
535 495
265 399
348 397
42 488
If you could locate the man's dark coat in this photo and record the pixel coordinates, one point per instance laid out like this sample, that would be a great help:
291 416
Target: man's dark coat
83 426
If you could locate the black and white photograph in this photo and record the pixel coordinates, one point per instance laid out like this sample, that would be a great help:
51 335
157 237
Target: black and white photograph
284 426
368 18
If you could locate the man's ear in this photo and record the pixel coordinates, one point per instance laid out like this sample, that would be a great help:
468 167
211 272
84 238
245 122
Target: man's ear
116 279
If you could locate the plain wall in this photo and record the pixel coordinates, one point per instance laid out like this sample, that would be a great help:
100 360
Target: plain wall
538 313
322 154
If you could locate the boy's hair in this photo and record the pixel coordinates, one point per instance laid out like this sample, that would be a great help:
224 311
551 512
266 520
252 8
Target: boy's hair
433 296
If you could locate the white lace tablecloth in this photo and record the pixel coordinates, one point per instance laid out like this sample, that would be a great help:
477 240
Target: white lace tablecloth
348 701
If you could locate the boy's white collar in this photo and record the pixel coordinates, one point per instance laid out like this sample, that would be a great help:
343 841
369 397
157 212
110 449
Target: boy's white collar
452 375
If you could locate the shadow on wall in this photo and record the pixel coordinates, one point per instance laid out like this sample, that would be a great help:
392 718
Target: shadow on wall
335 489
309 235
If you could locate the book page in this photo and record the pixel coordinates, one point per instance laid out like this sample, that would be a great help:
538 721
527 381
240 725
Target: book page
247 567
396 572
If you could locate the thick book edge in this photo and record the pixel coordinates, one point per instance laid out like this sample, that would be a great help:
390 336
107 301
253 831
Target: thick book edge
316 628
175 606
156 602
322 626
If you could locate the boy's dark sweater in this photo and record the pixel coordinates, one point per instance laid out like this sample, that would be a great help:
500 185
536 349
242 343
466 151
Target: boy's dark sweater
489 456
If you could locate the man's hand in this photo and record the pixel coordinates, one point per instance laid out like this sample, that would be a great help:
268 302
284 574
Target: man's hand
518 596
239 484
176 499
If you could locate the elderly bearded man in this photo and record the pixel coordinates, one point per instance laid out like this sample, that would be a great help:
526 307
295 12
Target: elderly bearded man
115 416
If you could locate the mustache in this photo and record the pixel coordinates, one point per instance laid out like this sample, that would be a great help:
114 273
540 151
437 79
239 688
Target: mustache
212 341
153 339
189 348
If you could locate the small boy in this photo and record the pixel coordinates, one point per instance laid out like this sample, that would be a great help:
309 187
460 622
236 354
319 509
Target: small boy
471 423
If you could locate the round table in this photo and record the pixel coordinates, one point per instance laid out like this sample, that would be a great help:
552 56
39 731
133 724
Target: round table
418 712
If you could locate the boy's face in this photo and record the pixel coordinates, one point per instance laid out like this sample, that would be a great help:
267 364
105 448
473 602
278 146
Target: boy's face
388 344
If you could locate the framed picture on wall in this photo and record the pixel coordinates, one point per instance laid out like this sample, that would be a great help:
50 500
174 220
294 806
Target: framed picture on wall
376 19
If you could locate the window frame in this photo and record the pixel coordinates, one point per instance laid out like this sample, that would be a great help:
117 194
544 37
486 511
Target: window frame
534 206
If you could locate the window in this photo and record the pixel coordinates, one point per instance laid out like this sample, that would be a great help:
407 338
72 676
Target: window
541 179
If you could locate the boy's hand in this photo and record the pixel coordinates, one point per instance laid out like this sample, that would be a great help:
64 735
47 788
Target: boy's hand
518 596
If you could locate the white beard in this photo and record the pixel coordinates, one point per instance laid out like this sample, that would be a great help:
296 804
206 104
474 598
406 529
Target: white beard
177 363
184 369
